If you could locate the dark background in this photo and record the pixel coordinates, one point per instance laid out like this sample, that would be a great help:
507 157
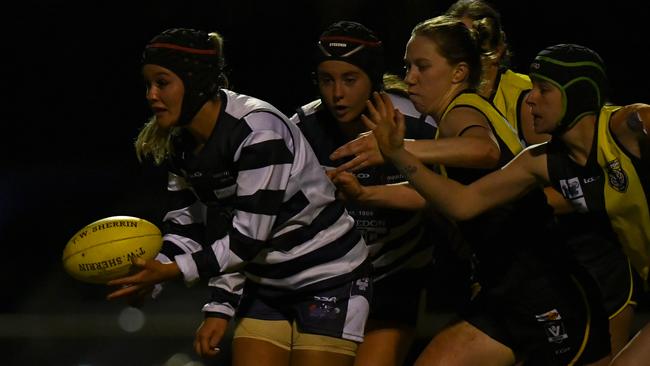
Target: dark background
74 102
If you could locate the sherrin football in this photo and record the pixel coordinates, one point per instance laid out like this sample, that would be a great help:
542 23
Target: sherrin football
103 250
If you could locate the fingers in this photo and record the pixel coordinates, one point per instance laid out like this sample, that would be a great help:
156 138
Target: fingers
124 281
127 290
401 124
342 152
351 148
208 336
368 122
331 174
204 347
359 162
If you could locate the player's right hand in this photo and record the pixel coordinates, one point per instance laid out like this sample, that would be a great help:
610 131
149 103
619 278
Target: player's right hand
151 273
209 335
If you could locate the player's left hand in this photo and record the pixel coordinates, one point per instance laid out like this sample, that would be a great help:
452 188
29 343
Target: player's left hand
347 184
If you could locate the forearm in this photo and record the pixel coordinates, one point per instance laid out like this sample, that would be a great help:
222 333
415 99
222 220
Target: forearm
466 152
397 196
445 195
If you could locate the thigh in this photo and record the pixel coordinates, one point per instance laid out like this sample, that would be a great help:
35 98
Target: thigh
320 358
248 351
324 349
464 344
274 332
637 350
386 343
620 326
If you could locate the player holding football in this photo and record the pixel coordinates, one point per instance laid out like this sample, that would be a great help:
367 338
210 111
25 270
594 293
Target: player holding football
251 210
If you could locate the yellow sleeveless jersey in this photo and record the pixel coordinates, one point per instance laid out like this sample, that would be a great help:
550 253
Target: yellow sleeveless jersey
503 131
626 199
609 188
511 90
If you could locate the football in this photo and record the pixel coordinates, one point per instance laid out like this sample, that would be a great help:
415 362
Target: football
103 250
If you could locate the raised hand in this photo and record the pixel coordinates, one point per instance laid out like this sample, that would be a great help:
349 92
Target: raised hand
151 273
386 123
365 151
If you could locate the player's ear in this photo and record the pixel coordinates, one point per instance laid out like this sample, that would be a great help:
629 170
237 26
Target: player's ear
460 72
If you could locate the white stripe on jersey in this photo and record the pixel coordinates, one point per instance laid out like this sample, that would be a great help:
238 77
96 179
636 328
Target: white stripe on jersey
221 308
322 239
268 177
188 245
354 258
193 214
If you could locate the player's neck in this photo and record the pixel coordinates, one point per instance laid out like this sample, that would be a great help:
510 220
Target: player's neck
579 139
205 121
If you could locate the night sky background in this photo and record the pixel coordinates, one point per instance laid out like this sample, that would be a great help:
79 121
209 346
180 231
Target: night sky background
74 102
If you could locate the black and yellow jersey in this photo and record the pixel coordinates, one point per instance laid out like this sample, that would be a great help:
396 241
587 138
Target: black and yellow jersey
509 95
513 242
611 187
506 136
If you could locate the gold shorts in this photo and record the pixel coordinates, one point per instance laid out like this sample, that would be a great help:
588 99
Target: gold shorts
288 337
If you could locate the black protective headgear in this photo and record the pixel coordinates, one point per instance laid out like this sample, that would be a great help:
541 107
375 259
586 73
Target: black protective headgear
353 43
193 56
579 73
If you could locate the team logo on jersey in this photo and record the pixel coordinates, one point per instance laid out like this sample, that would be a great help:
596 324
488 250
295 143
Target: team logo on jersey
617 177
362 283
324 307
553 326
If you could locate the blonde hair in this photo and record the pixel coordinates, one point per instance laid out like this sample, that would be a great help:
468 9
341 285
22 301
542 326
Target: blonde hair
154 141
395 84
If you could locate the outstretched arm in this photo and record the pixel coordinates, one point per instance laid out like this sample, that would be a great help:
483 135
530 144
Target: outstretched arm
475 152
453 199
400 196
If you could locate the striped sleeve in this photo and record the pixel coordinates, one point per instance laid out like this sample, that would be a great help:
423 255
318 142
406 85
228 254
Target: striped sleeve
226 291
184 222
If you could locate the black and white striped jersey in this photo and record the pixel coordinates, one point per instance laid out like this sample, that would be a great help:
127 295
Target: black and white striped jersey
397 239
255 201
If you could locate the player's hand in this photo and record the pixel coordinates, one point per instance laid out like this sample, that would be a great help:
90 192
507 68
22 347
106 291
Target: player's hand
386 123
365 150
348 187
151 272
209 335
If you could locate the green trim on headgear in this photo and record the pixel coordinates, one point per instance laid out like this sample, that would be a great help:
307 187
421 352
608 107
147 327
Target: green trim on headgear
557 85
579 73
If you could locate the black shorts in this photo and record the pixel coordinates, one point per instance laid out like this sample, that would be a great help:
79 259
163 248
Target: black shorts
550 320
605 261
339 312
397 296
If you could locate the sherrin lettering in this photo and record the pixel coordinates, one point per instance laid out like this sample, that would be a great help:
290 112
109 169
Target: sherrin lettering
103 250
